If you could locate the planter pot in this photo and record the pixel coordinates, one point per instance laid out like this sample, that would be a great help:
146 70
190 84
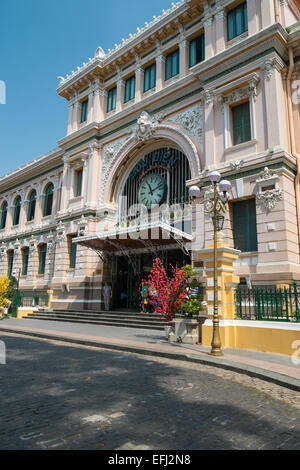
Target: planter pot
168 331
186 331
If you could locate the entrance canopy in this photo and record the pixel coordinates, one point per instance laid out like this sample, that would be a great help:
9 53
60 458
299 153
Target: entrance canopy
157 236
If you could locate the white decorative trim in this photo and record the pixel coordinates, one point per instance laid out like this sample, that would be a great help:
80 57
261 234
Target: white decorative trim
257 324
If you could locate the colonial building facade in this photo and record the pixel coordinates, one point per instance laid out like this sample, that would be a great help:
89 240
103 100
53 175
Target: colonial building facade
208 85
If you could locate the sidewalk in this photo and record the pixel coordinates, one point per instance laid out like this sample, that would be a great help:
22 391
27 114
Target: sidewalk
271 367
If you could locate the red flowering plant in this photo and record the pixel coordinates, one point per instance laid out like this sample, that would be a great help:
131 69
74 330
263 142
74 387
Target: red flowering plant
166 294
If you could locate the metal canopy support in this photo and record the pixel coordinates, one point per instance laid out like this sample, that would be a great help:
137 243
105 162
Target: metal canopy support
182 246
126 254
147 244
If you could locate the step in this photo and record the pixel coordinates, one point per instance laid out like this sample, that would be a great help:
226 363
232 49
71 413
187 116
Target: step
104 315
143 321
113 313
96 322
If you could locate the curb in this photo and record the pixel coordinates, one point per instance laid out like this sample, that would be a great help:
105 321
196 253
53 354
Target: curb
273 377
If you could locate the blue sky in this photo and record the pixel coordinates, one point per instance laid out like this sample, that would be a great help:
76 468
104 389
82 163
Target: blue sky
41 40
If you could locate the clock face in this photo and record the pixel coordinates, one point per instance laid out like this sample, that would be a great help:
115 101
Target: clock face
152 190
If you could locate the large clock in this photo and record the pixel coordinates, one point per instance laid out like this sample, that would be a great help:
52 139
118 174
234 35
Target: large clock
152 190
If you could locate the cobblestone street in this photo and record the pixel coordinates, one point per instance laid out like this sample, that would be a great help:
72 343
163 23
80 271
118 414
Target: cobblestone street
56 396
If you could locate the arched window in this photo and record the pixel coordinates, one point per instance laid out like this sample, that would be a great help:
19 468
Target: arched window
3 215
31 206
17 211
48 200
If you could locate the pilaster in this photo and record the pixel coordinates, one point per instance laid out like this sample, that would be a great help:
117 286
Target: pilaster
267 12
208 28
160 69
274 99
220 28
139 82
120 93
209 128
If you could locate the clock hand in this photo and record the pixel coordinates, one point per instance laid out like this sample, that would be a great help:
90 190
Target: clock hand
151 191
158 187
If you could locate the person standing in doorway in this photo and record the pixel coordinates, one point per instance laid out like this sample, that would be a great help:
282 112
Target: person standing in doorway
107 294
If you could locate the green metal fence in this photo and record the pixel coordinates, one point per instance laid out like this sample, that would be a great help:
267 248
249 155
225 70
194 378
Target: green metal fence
32 299
271 304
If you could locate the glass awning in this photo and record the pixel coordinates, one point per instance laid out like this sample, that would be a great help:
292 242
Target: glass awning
144 236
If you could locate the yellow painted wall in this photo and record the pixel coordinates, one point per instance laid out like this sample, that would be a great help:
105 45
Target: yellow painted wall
257 339
23 313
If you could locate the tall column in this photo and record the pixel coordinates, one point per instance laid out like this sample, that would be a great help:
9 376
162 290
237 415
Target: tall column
160 69
252 17
90 105
76 116
38 206
183 57
274 99
139 82
64 191
120 94
71 118
209 129
267 12
92 175
208 37
220 22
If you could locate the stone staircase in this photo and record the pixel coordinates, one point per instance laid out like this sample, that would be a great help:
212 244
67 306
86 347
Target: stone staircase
119 318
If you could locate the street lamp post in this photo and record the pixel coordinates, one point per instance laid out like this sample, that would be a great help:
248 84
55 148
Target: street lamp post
215 206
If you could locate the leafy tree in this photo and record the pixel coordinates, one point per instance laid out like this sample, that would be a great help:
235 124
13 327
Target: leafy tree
4 288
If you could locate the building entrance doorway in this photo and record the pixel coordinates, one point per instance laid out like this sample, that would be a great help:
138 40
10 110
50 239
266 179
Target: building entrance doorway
127 277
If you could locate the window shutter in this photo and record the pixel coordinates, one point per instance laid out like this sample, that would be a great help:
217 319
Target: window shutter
73 250
244 225
3 215
79 183
25 261
241 123
42 259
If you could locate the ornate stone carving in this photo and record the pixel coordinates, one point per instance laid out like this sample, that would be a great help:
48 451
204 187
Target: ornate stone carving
146 126
17 247
60 233
32 244
270 198
3 250
191 120
237 165
82 228
50 243
269 67
266 175
208 96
